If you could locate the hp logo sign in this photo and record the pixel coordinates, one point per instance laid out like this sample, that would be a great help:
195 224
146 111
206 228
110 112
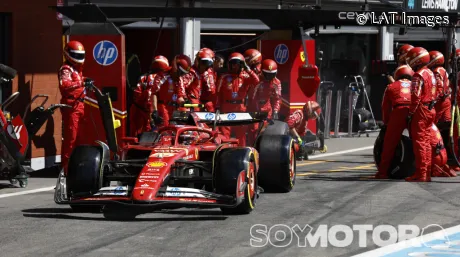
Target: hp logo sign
209 116
281 53
105 53
231 116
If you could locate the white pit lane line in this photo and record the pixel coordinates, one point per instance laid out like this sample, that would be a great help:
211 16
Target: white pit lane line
38 190
44 189
340 152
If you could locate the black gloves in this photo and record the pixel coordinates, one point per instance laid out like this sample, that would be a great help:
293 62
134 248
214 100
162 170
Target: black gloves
88 83
156 118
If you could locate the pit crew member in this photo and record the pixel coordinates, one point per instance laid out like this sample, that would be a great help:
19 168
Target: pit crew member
143 109
439 166
264 92
169 87
232 89
396 101
421 112
73 92
443 104
298 120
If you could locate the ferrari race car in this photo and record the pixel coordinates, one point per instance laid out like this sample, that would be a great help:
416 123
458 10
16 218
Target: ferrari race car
186 164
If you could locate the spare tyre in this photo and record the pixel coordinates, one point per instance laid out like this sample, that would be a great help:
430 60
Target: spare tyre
276 127
403 164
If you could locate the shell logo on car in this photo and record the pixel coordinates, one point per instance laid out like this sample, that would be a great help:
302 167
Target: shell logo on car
156 164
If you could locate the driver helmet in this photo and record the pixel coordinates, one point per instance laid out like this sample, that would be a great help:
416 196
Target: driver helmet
188 138
74 53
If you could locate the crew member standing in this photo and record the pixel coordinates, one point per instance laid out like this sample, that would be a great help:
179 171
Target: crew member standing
254 59
443 104
396 101
170 88
142 111
263 94
208 80
401 56
232 90
73 92
421 112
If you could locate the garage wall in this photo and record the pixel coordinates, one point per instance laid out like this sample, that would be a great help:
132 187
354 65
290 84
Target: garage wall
37 55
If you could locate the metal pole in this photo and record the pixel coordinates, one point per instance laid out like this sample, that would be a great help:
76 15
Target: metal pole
350 112
338 108
327 126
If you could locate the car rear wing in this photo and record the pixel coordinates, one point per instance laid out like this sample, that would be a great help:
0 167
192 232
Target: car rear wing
230 119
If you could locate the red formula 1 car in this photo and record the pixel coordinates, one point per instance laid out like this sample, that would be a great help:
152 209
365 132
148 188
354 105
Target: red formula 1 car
187 164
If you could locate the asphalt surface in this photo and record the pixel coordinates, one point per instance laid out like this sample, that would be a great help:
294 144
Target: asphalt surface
330 189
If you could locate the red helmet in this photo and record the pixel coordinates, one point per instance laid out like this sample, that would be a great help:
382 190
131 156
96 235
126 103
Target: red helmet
205 58
269 69
402 53
208 51
235 58
182 64
74 52
252 57
418 56
311 110
403 71
436 58
160 62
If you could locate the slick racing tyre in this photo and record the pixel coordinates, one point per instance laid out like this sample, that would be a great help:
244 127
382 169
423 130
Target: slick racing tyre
277 160
403 164
84 175
276 127
235 173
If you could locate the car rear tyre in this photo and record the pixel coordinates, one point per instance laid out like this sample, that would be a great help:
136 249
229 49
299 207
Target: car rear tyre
403 164
236 174
277 158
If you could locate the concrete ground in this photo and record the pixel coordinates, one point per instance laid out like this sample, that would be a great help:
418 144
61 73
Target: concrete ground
331 189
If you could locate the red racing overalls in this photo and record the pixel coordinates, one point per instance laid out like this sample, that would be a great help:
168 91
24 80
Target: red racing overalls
443 104
423 95
395 109
208 90
142 107
231 91
264 94
439 167
73 93
297 121
166 90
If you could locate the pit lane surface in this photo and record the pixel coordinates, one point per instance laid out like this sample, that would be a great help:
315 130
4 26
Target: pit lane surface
330 189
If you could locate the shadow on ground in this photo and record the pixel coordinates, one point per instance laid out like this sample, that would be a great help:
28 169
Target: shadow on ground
68 214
